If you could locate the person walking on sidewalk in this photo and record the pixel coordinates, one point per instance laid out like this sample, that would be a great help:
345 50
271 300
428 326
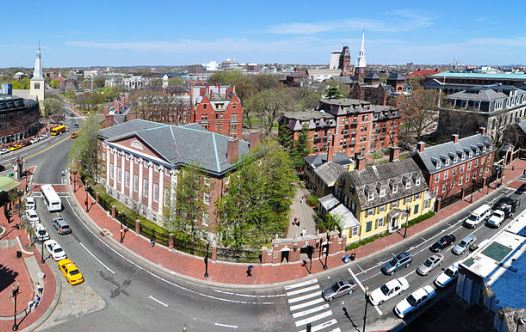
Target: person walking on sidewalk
303 232
152 242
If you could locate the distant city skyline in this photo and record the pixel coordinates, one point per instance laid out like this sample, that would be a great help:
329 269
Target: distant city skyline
120 33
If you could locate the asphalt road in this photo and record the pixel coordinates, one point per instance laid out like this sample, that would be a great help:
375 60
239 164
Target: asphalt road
140 297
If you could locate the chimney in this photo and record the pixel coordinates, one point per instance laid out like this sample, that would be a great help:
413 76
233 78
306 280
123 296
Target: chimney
394 154
360 162
330 153
454 138
109 121
232 150
420 146
106 110
482 130
254 139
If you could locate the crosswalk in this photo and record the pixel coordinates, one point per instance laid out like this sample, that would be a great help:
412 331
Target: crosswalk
307 306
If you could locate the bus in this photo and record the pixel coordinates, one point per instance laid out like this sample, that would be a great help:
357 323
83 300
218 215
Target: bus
55 131
51 199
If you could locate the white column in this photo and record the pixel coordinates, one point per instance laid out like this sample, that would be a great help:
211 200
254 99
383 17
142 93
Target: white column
123 157
131 176
150 184
161 189
107 166
140 164
114 169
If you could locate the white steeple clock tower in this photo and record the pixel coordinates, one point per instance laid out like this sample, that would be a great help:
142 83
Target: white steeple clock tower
37 86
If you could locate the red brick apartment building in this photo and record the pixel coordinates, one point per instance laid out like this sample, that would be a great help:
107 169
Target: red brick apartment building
453 167
218 109
349 126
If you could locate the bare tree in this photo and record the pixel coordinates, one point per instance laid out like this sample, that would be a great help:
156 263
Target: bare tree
420 110
161 106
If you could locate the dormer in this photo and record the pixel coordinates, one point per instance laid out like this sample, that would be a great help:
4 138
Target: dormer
469 152
445 159
368 193
393 186
453 156
406 181
437 162
475 149
381 189
461 154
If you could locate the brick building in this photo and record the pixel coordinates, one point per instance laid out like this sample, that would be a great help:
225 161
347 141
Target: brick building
217 109
377 92
140 162
19 118
348 125
452 168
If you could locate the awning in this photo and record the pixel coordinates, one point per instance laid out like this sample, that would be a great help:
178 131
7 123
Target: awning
7 183
345 216
394 213
328 202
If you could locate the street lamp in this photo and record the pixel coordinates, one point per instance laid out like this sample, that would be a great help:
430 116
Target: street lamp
42 260
472 188
367 296
122 234
518 320
15 291
327 251
407 211
206 260
86 188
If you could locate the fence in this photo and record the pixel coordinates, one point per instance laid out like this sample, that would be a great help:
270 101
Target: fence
239 255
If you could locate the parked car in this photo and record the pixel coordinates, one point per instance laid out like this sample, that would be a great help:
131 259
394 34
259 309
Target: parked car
43 137
464 244
15 147
414 301
398 262
76 125
34 140
342 287
521 189
4 151
443 242
32 216
388 290
508 205
61 225
430 264
70 271
41 233
55 250
447 277
478 216
30 203
74 135
496 219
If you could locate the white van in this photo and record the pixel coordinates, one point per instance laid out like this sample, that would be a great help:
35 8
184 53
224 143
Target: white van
479 215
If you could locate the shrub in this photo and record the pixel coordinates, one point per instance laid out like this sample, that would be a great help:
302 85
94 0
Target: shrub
365 241
420 218
312 200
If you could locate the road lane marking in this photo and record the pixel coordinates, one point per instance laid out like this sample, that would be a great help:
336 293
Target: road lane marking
301 284
96 258
313 318
363 289
324 325
310 311
306 304
246 295
158 301
359 267
226 325
423 238
303 290
304 297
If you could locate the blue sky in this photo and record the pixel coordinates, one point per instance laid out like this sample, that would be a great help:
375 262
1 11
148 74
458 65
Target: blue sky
155 32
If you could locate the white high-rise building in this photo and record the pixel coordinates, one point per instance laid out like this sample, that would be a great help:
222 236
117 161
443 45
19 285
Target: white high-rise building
334 61
37 87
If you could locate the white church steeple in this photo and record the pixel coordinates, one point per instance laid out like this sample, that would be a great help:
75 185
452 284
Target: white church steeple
37 72
360 62
37 89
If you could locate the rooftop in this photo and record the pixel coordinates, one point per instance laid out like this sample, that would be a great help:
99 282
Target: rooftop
345 102
498 76
308 115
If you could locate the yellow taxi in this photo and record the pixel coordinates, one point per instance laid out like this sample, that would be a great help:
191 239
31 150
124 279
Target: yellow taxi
70 271
74 135
14 147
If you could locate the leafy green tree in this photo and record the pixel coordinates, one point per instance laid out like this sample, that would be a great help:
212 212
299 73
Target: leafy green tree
333 92
329 223
53 105
257 202
270 104
285 137
300 149
54 84
22 84
83 154
175 81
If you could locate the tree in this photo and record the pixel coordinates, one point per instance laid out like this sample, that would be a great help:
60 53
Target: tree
419 110
99 81
84 151
160 106
189 207
54 84
257 202
300 149
333 92
270 104
176 80
22 84
53 105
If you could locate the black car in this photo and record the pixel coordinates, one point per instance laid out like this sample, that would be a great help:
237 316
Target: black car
507 205
521 189
443 242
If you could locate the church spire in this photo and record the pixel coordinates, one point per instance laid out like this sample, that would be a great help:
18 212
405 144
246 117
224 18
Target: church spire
37 72
361 55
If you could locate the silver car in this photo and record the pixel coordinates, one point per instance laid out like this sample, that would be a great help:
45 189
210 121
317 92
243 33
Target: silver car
464 244
430 264
342 287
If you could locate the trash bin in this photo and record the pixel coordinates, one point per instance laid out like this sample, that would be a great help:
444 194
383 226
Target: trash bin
353 256
18 254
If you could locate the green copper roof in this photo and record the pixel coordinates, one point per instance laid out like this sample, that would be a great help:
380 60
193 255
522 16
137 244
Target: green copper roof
502 76
7 183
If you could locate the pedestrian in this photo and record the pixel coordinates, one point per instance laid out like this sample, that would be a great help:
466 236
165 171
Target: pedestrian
152 242
249 270
303 232
295 221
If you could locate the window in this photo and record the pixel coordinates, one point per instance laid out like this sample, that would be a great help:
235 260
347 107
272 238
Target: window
155 192
444 188
460 181
446 173
476 162
204 106
407 200
127 178
119 174
206 198
415 209
145 188
381 208
395 188
37 86
135 183
469 166
417 196
437 177
370 212
426 203
234 105
487 169
382 192
111 171
368 226
417 181
408 184
462 168
370 196
380 222
355 231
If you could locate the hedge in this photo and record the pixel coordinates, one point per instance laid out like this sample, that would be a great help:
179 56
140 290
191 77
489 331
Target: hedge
312 200
419 219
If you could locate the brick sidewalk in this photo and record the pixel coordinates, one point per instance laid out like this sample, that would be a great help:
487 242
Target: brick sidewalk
14 268
235 274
